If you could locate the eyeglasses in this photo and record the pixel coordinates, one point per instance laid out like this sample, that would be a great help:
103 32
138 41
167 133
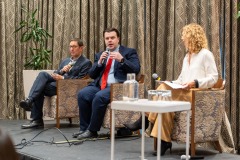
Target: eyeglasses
73 46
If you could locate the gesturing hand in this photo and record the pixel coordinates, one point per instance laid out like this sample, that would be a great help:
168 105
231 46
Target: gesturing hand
103 56
66 68
116 55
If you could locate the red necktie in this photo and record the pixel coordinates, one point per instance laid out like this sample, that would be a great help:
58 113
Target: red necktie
105 74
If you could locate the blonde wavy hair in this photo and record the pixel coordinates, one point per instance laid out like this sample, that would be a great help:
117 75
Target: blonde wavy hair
196 37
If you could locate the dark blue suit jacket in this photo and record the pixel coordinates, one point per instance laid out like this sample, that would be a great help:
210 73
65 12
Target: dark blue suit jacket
79 69
131 65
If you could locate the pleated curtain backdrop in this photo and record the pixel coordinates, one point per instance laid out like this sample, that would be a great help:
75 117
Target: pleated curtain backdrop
231 50
153 27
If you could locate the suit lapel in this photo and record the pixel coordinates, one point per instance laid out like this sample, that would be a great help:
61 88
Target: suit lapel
79 61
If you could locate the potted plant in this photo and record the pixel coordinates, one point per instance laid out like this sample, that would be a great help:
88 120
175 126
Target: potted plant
36 37
34 34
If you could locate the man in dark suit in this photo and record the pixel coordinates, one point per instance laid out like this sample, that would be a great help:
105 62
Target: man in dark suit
77 66
110 66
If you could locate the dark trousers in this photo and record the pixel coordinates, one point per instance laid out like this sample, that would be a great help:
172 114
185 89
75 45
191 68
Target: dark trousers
92 104
44 85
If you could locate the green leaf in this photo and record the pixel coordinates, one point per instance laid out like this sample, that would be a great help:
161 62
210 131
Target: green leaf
36 36
33 14
238 7
26 37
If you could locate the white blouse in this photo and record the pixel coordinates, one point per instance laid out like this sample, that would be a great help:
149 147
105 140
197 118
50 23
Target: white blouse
202 67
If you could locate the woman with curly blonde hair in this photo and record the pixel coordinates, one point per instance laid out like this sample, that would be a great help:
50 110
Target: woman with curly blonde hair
197 39
198 71
199 68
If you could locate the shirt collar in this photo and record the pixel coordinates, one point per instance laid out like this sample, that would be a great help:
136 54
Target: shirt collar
71 59
117 49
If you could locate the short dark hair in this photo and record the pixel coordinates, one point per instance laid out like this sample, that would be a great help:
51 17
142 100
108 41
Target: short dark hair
111 30
79 41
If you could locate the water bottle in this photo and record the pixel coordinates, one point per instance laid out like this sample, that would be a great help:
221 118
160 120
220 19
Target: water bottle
130 88
133 88
126 86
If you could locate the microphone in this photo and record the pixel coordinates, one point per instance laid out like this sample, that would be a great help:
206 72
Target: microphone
156 77
71 63
107 50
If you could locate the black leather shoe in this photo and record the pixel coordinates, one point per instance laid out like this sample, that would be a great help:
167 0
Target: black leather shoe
164 147
75 135
33 124
137 125
87 134
124 132
26 104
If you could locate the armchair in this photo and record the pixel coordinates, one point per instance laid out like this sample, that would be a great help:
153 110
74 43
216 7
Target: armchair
122 116
64 104
206 116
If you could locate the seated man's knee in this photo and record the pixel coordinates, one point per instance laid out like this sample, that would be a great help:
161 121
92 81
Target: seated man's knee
99 98
43 73
84 95
81 95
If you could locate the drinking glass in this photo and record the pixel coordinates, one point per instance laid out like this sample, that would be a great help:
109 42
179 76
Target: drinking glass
152 95
164 95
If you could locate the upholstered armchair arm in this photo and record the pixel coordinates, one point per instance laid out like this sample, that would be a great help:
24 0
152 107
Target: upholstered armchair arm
116 92
121 116
67 96
207 112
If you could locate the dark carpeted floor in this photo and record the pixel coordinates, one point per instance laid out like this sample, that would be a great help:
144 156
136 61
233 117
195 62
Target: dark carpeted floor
50 144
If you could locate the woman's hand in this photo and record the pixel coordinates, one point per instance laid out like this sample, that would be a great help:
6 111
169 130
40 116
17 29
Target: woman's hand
189 85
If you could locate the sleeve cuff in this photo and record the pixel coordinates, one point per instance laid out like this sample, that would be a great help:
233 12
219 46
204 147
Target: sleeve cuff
196 83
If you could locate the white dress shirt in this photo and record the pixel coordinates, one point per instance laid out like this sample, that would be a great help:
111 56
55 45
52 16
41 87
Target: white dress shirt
202 67
111 79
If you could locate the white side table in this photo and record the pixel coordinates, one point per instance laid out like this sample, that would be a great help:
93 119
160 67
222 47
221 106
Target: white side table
143 105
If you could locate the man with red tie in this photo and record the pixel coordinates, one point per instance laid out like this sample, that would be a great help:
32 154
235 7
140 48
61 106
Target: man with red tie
110 66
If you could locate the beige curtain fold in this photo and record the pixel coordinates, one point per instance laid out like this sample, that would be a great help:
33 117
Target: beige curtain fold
153 27
3 70
230 26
